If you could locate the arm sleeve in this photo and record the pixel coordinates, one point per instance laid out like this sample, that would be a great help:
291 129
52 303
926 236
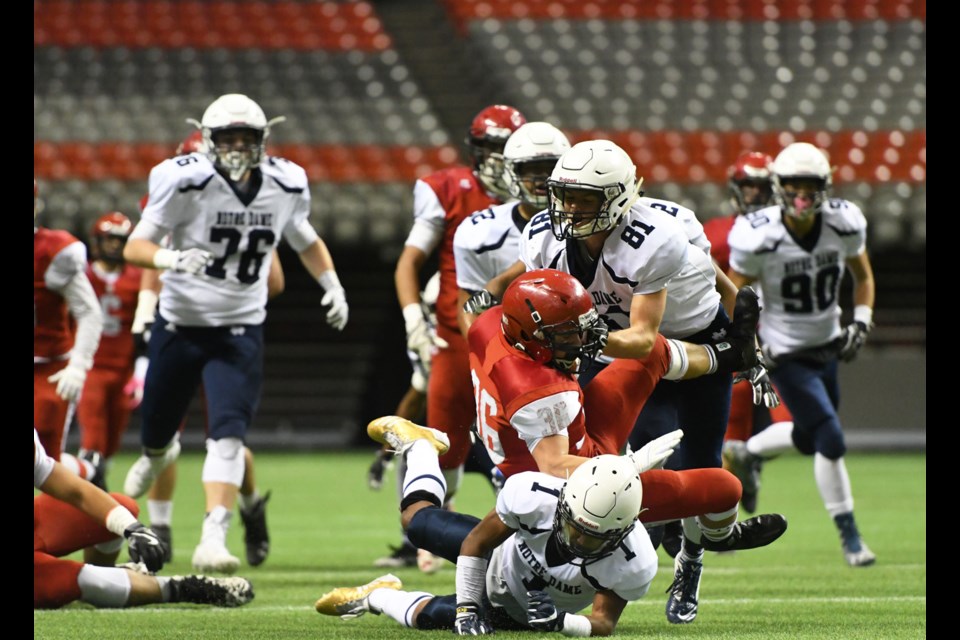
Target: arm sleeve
429 219
85 308
147 230
300 235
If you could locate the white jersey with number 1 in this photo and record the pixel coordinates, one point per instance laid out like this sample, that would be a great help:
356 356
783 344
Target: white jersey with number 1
528 503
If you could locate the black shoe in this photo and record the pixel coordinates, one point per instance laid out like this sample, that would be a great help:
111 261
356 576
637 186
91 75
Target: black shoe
684 591
220 592
403 556
758 531
255 535
672 538
99 478
166 538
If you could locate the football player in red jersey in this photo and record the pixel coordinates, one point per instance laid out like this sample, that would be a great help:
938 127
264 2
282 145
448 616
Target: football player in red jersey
104 409
441 201
66 331
70 514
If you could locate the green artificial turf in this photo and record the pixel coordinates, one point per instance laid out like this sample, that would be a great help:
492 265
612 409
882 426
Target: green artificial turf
327 527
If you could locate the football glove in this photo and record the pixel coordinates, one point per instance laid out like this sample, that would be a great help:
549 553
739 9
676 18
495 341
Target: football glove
338 313
468 621
655 453
422 338
69 381
763 391
542 613
192 261
479 302
145 546
852 338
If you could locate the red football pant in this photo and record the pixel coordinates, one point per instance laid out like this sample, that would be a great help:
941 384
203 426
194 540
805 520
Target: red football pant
49 409
103 412
450 404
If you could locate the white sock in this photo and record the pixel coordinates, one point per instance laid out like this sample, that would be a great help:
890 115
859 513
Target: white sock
772 441
247 502
103 586
423 471
215 525
398 605
164 583
833 483
691 530
160 511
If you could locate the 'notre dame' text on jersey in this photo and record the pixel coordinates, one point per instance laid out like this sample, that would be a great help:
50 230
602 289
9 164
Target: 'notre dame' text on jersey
799 278
525 562
202 209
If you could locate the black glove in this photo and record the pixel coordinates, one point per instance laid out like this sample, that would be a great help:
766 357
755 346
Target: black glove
469 622
542 614
378 467
145 546
763 391
141 340
739 351
851 339
480 302
602 333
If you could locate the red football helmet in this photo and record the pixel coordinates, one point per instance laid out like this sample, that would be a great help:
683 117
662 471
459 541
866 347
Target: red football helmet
486 137
193 142
109 235
751 169
548 315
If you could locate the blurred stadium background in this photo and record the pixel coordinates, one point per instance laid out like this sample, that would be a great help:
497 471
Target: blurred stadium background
379 93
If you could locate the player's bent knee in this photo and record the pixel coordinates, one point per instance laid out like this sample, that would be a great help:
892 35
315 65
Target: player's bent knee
224 462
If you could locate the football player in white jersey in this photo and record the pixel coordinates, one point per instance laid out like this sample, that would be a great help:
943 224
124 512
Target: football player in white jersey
646 264
488 242
797 250
225 211
533 562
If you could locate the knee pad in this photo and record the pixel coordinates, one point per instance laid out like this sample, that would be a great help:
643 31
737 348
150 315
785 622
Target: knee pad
224 461
104 586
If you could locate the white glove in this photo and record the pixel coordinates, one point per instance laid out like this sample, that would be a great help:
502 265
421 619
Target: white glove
339 311
654 454
191 261
69 381
422 338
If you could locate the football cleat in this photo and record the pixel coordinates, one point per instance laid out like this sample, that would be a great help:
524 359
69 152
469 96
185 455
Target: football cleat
255 535
146 469
746 466
684 591
855 550
166 538
758 531
353 602
220 592
400 434
672 538
212 556
403 556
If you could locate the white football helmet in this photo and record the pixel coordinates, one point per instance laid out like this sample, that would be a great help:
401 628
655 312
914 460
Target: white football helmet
531 153
597 168
800 161
235 111
599 505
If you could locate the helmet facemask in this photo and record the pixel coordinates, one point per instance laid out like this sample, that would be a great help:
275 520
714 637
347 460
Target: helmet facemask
759 194
236 150
578 538
572 345
800 197
595 209
527 180
487 153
